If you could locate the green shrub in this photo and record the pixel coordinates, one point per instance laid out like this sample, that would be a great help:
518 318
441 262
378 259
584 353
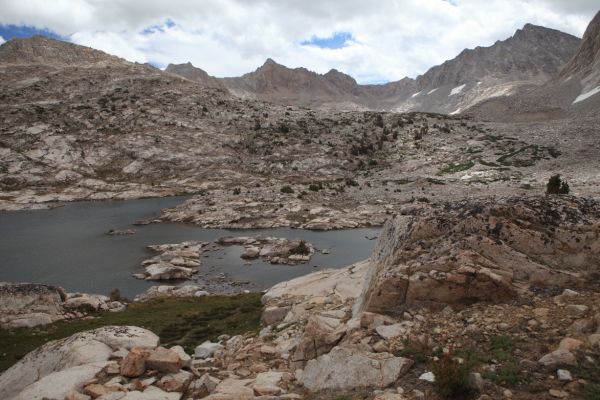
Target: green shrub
283 128
509 374
287 189
301 249
237 191
315 187
452 377
351 182
556 185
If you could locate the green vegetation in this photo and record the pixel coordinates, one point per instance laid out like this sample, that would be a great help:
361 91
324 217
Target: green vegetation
509 374
453 168
410 351
556 185
502 347
315 187
351 182
592 392
287 189
301 249
434 181
452 376
187 322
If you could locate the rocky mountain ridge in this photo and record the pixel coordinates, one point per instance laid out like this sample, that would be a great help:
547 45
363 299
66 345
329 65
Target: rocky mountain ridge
532 56
572 94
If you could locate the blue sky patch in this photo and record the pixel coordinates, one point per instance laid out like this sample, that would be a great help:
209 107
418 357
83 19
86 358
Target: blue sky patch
336 41
23 31
158 28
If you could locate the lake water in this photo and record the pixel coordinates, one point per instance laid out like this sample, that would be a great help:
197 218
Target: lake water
69 247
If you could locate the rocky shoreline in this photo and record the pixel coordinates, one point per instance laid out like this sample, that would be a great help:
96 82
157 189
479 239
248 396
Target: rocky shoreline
435 293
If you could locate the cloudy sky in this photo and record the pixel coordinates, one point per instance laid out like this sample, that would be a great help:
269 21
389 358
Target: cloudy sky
374 41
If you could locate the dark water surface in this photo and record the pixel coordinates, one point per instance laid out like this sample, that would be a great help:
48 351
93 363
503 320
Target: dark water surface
68 247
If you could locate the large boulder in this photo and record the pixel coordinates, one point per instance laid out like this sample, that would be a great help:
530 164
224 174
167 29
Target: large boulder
28 304
321 334
481 250
85 348
345 369
58 385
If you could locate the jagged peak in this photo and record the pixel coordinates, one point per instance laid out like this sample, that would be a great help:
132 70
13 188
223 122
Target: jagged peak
270 61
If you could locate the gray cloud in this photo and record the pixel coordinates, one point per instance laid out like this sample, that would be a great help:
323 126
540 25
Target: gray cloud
393 38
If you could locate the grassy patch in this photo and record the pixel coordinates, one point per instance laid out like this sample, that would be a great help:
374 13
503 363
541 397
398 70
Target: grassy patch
501 347
453 168
508 374
418 355
592 392
187 322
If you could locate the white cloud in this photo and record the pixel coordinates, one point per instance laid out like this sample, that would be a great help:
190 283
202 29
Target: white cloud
393 38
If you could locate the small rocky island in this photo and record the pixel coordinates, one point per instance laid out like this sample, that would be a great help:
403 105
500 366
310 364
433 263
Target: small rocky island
174 261
272 249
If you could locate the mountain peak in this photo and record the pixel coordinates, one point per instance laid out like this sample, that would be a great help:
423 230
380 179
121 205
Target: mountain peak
44 50
270 61
195 74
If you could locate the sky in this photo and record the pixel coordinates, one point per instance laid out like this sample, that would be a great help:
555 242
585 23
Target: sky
375 42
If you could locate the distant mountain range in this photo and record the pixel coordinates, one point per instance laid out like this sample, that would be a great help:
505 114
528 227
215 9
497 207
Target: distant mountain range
531 56
537 73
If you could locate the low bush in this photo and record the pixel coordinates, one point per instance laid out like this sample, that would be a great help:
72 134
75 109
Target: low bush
452 377
556 185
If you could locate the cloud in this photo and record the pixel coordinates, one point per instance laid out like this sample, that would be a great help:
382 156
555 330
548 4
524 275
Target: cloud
385 41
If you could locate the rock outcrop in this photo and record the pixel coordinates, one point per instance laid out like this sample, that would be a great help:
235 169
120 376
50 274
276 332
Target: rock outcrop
195 74
26 305
59 367
482 250
346 369
272 249
174 261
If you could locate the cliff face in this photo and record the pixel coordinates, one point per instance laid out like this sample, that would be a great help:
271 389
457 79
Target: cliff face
460 253
586 61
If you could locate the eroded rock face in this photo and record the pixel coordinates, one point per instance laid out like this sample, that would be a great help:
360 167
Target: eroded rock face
482 250
28 304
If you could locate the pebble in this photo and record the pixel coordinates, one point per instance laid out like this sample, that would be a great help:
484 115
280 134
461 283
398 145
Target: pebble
564 375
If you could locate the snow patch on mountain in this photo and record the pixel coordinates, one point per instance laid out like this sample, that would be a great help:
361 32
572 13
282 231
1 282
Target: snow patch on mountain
457 90
587 95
